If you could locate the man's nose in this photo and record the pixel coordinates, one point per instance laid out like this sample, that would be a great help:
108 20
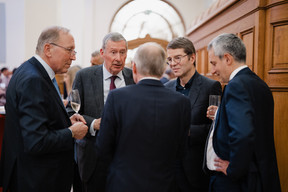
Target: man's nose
118 56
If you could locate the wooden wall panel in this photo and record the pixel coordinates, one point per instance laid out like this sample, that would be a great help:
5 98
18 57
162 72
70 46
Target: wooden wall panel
248 39
201 61
281 135
276 52
280 47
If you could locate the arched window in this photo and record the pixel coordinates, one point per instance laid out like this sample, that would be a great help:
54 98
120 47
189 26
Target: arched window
140 21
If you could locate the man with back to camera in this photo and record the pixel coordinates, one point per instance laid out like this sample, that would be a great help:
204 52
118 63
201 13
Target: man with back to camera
94 84
240 152
37 151
181 56
143 129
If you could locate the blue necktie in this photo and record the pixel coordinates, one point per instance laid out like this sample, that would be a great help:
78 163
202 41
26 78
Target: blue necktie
56 86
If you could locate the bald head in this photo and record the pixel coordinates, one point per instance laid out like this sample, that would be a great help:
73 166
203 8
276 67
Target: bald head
150 60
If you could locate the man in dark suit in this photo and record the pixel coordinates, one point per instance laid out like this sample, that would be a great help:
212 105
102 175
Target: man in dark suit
143 128
93 84
37 153
181 58
240 150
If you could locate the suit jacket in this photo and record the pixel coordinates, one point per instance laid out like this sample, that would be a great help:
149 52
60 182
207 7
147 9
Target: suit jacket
199 93
89 82
37 151
244 133
142 133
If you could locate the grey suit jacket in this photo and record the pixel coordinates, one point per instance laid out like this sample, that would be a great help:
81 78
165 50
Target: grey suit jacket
89 82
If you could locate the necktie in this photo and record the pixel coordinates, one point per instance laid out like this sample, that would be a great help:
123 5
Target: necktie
56 86
112 84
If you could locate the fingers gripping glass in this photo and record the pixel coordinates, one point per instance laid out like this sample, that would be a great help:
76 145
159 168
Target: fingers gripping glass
176 59
71 51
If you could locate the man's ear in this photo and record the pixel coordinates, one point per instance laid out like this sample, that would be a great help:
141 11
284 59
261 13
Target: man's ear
193 58
101 52
228 59
134 68
47 50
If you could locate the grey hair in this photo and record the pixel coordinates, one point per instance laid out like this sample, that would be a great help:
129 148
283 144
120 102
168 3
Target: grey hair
115 37
49 35
95 53
228 43
150 59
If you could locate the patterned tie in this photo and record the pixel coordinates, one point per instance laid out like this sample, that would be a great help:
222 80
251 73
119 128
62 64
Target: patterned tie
56 86
112 84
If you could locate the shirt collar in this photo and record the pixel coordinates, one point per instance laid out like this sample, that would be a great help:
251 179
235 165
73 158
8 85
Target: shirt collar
154 78
236 71
47 68
107 74
187 85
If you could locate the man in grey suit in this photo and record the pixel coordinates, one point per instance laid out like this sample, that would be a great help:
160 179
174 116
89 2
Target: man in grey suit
94 84
143 129
181 58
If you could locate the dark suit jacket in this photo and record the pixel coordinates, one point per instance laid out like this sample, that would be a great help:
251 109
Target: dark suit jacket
37 148
143 131
199 93
244 133
89 82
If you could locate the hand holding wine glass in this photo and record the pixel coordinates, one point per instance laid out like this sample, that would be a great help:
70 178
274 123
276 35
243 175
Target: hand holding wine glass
214 102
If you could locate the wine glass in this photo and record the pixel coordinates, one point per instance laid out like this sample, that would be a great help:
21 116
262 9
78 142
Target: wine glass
214 101
74 99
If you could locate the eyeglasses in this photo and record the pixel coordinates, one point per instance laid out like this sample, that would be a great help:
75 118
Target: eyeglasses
71 51
176 59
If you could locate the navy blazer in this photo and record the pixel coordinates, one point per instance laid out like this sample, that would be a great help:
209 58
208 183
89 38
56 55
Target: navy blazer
244 131
37 146
143 131
89 82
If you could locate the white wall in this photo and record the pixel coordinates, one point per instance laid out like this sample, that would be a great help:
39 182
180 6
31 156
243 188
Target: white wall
15 33
88 20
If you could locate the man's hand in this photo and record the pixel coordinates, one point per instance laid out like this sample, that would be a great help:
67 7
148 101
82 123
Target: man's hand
79 130
221 165
77 118
96 125
211 110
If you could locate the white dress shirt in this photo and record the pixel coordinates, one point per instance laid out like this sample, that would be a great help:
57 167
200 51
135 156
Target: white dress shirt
119 82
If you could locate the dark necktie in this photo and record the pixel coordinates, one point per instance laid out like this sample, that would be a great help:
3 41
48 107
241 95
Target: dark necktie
56 86
112 84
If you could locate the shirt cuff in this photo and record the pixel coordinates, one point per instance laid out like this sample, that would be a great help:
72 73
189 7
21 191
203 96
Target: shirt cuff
91 129
71 132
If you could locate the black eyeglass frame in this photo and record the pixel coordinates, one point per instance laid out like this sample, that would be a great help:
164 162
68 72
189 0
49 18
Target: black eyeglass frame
71 51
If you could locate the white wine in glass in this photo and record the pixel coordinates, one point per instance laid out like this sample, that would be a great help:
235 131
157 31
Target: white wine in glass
214 100
75 101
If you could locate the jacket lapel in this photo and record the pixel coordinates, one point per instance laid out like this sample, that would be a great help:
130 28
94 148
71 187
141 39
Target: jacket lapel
195 87
97 82
45 75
